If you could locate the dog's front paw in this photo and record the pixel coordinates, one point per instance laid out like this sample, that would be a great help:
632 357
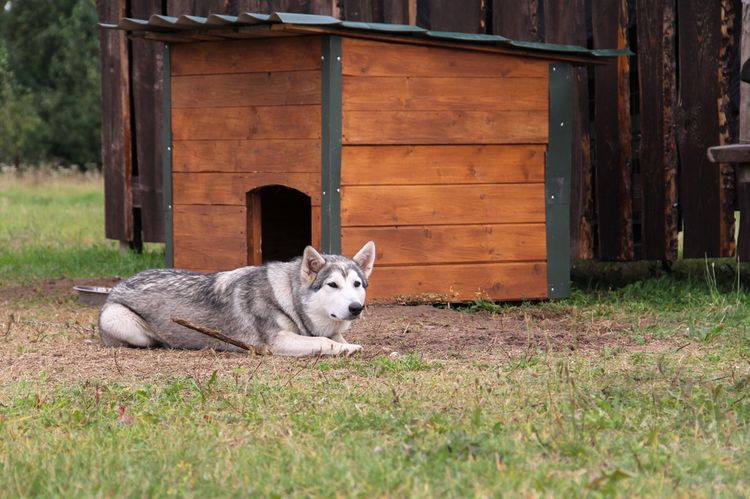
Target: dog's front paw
350 349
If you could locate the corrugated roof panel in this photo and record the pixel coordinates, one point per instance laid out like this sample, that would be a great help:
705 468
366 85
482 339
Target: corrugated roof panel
384 27
305 19
166 24
468 37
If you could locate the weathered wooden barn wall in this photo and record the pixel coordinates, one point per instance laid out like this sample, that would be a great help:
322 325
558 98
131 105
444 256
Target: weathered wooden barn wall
641 125
456 200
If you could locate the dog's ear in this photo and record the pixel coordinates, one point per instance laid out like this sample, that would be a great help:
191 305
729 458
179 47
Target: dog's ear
365 258
312 262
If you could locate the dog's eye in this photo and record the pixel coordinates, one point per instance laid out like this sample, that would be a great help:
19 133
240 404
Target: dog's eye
357 284
333 284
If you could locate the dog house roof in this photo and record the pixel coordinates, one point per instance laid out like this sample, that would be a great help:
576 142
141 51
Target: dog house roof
246 25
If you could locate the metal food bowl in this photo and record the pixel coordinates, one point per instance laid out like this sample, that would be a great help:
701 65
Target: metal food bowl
94 296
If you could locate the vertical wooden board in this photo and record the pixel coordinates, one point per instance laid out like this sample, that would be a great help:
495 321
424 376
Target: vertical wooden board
466 16
745 86
223 248
198 7
518 19
613 136
727 130
462 164
147 96
658 153
698 127
379 11
565 23
743 186
363 10
254 228
116 126
323 7
455 283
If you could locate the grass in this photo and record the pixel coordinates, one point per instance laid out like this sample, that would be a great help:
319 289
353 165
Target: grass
628 425
669 416
52 226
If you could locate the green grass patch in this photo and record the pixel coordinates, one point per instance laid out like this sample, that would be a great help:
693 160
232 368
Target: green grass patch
567 427
52 226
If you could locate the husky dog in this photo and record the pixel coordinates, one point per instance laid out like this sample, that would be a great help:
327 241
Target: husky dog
294 308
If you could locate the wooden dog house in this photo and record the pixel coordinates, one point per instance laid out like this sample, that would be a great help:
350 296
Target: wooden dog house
451 151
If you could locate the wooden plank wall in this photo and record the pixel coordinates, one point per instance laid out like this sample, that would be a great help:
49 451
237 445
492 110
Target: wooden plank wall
244 114
707 210
456 201
116 127
701 203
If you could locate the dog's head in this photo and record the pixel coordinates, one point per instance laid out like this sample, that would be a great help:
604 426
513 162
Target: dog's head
338 284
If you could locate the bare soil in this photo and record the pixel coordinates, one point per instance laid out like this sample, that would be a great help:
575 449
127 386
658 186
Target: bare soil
45 332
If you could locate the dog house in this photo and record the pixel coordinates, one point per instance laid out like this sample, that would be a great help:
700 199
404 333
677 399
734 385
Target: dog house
451 151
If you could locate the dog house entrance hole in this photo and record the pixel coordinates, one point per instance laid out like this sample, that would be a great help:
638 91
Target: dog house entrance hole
279 224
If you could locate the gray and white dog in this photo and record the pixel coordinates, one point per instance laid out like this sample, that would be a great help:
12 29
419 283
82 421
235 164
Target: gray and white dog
294 308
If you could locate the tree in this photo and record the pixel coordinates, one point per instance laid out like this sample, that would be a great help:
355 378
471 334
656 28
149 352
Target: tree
19 124
53 54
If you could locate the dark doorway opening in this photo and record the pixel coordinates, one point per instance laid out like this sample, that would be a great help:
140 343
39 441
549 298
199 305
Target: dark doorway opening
279 224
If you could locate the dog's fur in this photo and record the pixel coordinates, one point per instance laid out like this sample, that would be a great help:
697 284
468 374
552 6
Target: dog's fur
294 308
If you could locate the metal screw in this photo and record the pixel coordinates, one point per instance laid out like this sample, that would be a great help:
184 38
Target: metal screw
338 58
562 123
338 190
324 193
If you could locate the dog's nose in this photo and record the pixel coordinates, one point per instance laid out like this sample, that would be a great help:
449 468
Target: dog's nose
355 308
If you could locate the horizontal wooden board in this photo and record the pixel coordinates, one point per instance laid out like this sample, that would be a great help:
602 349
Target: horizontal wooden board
223 247
300 155
495 281
442 204
247 89
372 58
231 188
450 243
444 127
365 93
246 56
264 122
372 165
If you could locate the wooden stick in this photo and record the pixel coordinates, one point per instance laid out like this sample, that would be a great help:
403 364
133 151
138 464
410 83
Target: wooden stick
221 336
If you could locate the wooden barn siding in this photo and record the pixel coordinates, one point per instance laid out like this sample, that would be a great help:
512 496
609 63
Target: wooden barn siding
243 116
456 203
665 204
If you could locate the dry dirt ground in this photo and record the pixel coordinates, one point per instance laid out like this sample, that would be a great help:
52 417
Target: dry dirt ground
45 332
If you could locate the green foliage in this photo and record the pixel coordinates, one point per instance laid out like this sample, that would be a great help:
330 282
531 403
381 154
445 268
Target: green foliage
52 87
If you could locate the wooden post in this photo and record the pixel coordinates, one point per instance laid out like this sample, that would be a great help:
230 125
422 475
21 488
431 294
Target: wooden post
116 129
658 158
517 19
707 211
743 173
613 136
566 24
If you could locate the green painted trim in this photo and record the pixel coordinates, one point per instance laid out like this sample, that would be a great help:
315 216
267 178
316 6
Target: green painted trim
557 179
331 145
167 160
